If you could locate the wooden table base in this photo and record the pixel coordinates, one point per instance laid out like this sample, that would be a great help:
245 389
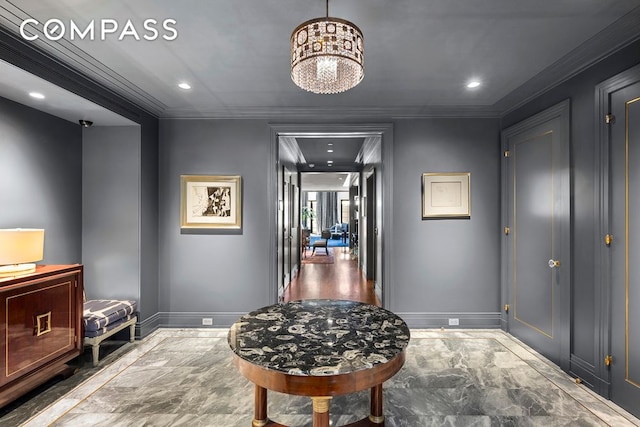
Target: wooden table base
260 408
321 407
321 411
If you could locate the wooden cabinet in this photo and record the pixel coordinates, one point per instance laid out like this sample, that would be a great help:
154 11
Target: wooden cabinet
41 315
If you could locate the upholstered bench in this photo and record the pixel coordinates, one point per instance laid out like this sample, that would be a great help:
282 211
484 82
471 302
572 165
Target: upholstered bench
103 318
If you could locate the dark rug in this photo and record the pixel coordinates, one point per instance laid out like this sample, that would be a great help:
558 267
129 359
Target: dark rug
320 257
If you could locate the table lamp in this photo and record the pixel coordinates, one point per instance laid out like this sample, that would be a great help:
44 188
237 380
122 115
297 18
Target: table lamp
20 248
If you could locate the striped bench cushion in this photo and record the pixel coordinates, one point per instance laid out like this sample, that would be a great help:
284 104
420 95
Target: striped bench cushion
102 331
101 315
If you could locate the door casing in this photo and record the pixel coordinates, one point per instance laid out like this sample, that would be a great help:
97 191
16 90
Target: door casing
383 131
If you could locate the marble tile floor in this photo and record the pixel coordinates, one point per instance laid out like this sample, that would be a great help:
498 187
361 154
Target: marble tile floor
185 377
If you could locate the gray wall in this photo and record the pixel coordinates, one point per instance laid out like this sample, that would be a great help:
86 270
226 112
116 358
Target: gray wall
40 178
446 266
214 274
111 212
149 193
585 295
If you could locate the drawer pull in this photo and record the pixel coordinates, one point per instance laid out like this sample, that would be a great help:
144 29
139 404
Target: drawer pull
43 324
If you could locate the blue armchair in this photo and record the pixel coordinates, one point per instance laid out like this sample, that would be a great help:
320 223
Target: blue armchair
339 231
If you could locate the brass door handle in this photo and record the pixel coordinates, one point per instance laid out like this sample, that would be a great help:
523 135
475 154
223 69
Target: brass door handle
554 263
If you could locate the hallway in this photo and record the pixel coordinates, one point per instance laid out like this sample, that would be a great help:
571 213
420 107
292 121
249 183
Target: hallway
340 280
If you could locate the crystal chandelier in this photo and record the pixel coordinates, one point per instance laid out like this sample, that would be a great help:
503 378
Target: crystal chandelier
327 55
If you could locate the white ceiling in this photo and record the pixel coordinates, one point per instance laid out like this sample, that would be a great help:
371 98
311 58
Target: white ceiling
327 181
418 53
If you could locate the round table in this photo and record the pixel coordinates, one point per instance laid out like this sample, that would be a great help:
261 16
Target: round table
320 349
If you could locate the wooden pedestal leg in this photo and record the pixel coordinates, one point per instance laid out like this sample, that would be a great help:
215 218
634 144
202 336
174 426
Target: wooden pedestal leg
376 416
321 411
260 407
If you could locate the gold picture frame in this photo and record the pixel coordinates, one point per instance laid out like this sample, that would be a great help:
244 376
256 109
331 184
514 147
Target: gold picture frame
211 201
446 195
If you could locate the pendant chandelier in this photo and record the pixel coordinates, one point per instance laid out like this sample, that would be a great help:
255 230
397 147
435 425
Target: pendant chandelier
327 55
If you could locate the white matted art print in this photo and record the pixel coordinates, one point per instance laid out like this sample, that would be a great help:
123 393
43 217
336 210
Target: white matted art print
446 195
211 201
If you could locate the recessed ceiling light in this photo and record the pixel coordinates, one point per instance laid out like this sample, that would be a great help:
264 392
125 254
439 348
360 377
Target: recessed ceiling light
473 84
329 151
184 85
36 95
331 143
329 161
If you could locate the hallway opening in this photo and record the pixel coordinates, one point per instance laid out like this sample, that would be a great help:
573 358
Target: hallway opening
355 220
329 203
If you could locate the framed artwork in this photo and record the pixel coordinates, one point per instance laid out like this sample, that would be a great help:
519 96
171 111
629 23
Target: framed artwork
211 201
446 195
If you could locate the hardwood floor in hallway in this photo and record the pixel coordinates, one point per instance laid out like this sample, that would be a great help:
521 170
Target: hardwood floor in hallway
340 280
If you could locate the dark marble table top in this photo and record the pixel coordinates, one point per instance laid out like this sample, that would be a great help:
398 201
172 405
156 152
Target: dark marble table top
319 337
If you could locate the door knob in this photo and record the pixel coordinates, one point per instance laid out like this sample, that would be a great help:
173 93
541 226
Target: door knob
554 263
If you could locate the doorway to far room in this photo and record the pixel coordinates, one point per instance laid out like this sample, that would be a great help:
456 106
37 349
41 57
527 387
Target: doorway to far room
329 206
318 223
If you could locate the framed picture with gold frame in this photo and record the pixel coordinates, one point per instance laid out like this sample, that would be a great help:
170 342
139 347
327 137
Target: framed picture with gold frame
211 201
446 195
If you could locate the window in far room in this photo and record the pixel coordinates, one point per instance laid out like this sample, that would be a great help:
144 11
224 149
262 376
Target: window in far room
313 205
344 211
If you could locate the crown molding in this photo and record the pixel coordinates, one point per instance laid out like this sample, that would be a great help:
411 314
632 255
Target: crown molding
370 151
291 149
77 60
613 38
335 113
21 54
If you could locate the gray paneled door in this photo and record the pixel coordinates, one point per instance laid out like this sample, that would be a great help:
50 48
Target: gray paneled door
286 226
537 256
625 248
372 229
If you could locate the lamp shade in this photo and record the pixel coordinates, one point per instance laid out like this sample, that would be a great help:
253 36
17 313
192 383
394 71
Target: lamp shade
19 246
